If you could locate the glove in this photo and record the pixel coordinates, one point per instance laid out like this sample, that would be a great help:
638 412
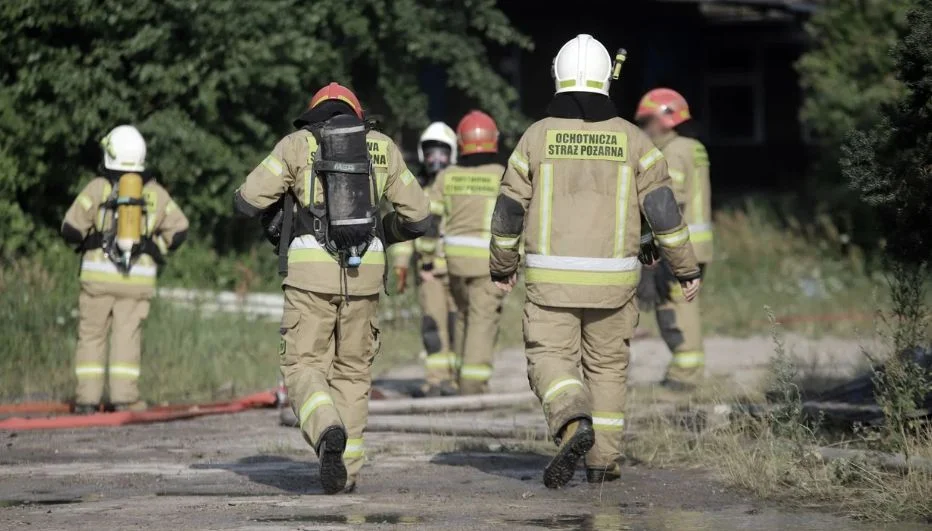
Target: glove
401 279
649 253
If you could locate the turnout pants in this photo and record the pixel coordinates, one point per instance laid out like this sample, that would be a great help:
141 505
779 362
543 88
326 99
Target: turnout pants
577 365
438 329
479 308
680 326
327 347
122 317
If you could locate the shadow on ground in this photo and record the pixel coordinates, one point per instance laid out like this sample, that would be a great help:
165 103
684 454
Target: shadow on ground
520 466
279 472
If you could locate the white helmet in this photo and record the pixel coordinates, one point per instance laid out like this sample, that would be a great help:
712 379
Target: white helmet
437 132
124 149
582 65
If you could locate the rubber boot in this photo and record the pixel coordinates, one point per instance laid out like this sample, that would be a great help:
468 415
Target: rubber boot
330 454
85 409
603 475
576 439
138 405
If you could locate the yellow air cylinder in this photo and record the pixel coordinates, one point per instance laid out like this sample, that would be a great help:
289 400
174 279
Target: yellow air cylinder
129 213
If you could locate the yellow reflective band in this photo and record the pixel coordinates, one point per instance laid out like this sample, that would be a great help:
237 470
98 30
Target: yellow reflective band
480 372
436 207
378 152
407 177
442 360
461 251
700 156
519 163
559 387
506 242
677 176
172 206
354 449
546 204
462 183
673 239
273 165
85 202
297 256
651 158
425 245
689 359
608 421
320 398
701 236
116 278
440 263
160 243
586 145
594 84
568 83
622 191
583 278
152 205
124 371
89 369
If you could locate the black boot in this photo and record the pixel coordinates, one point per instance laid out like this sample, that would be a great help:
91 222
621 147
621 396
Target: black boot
85 409
576 439
330 454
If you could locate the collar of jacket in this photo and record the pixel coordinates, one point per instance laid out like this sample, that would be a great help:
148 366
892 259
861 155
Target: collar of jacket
586 106
114 175
665 139
477 159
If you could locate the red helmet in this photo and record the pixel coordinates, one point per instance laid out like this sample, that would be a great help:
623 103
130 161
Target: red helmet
477 133
667 105
336 91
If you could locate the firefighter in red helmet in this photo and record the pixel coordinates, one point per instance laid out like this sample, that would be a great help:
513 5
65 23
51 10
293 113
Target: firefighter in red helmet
329 178
469 190
662 113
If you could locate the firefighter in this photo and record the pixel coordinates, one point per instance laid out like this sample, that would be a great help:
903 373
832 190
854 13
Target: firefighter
573 190
123 223
435 151
662 114
469 190
333 261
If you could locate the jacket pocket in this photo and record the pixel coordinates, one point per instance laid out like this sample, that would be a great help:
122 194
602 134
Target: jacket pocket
289 337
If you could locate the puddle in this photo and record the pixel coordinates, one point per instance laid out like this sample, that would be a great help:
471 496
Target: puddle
353 519
588 522
170 493
27 503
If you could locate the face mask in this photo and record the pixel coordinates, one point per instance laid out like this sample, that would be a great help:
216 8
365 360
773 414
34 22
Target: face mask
436 159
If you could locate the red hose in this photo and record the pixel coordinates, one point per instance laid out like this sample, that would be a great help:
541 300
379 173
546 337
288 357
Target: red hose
122 418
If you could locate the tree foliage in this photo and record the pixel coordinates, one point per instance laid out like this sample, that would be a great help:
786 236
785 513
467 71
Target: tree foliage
890 164
212 85
847 76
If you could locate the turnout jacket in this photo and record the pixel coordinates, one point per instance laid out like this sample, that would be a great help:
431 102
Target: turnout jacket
163 223
469 194
427 250
289 169
573 190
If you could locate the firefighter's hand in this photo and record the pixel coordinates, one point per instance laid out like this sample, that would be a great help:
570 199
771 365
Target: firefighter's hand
426 275
401 279
691 288
508 284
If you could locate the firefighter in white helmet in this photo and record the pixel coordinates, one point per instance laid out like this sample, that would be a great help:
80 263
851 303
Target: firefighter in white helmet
123 224
574 189
436 149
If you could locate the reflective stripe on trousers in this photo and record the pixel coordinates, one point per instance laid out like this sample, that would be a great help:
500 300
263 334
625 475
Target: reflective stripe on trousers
608 421
559 387
583 270
442 360
313 402
354 449
689 359
478 372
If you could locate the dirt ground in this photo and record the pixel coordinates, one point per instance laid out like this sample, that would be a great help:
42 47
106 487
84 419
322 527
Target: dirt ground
246 472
